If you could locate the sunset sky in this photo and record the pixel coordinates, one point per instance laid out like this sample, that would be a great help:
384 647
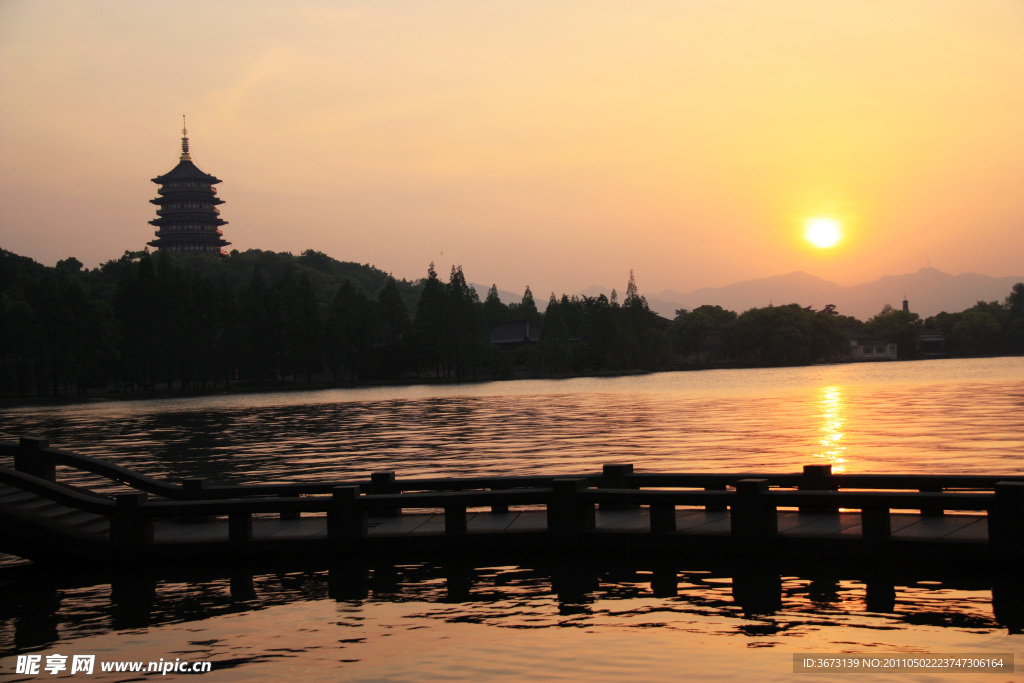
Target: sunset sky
551 144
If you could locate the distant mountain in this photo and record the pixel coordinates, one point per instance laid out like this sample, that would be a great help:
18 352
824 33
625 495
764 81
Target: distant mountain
505 296
929 291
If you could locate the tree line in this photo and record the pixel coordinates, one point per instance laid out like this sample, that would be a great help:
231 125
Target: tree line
149 321
256 318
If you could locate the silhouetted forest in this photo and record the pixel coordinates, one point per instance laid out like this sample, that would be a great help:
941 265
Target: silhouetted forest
257 318
148 321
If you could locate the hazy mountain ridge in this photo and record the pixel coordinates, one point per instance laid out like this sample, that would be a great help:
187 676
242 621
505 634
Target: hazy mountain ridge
929 291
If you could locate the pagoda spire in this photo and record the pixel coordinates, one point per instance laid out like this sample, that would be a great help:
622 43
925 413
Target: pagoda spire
185 156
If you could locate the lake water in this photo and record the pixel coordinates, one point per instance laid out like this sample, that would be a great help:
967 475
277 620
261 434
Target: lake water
536 620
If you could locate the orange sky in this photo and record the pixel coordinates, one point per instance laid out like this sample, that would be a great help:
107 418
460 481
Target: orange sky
555 144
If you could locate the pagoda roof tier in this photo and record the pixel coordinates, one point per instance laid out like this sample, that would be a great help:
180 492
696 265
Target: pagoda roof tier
182 248
186 170
188 211
160 201
205 219
205 238
206 194
191 237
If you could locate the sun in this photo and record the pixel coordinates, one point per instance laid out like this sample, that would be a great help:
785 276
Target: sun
823 232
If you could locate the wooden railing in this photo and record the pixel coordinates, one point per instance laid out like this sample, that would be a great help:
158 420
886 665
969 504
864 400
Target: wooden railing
570 502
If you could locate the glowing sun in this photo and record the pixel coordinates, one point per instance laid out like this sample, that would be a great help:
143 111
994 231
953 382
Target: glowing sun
823 232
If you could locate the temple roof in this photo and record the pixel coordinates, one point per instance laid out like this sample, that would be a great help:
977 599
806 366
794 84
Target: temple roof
515 332
185 170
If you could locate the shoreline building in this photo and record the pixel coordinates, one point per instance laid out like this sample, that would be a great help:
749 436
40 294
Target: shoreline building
187 216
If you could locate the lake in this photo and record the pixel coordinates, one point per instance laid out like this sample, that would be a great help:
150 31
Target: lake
537 619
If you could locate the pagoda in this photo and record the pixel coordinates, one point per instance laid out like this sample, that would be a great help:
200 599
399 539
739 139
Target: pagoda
187 216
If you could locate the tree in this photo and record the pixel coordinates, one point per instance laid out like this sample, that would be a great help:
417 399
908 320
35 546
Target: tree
430 323
633 298
348 338
555 346
784 335
19 346
1015 319
307 329
1015 301
394 316
69 266
899 326
464 332
259 348
526 309
394 328
978 332
689 330
494 310
604 347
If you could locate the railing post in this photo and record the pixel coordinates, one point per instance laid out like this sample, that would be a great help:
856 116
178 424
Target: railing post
567 514
715 507
289 514
130 526
346 518
193 487
818 478
1006 520
615 477
240 526
455 519
30 458
381 483
499 508
932 510
663 517
875 522
752 514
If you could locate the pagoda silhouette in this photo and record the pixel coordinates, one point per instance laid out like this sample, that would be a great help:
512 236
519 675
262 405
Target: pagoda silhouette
187 216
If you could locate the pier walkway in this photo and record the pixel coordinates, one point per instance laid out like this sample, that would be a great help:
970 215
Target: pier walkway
956 520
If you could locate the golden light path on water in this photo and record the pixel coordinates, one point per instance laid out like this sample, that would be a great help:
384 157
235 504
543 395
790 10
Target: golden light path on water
833 419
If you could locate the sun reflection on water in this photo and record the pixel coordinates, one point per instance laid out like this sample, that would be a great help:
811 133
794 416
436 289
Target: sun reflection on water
833 420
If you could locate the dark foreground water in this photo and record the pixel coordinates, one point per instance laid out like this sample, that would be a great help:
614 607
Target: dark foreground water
537 619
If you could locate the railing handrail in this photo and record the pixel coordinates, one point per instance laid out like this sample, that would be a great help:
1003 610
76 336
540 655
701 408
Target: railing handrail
59 493
627 483
438 484
385 501
516 496
103 468
641 480
855 481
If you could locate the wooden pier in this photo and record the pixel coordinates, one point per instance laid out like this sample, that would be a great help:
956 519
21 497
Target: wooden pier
957 520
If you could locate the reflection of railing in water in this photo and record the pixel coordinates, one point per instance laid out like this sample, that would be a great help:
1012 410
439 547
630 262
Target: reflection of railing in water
763 595
735 514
